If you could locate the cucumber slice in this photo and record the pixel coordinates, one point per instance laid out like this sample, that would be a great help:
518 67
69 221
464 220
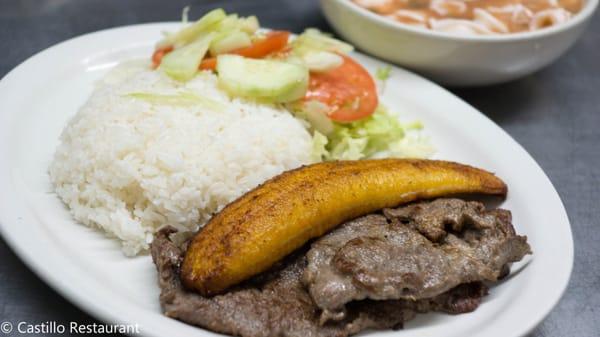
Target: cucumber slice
313 40
266 80
321 61
190 33
226 42
250 24
182 64
230 23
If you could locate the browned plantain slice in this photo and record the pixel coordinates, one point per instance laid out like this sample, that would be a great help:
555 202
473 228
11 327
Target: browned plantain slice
266 224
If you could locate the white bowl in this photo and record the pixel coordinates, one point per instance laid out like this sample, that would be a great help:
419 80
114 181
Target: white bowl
453 59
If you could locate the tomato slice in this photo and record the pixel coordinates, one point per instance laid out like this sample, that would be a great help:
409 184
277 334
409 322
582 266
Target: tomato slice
159 54
209 64
349 90
274 41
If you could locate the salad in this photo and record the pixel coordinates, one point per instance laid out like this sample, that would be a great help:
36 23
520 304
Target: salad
311 74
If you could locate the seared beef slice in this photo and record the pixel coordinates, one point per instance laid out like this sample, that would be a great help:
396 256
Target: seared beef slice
414 252
342 264
276 304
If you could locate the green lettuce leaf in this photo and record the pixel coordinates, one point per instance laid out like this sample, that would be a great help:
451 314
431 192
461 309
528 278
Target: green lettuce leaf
319 151
379 135
184 98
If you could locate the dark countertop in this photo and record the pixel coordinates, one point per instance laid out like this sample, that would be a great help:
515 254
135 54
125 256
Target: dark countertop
554 114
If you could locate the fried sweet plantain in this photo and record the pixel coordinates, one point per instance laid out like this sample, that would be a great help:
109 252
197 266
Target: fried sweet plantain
271 221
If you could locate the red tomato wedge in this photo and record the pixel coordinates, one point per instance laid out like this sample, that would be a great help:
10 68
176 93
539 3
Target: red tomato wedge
159 54
209 64
273 42
349 90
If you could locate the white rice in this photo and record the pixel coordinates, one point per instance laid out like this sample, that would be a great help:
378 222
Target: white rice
130 167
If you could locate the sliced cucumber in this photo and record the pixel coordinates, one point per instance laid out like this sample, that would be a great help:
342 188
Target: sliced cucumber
321 61
230 23
314 40
233 22
267 80
297 91
250 24
182 63
195 30
226 42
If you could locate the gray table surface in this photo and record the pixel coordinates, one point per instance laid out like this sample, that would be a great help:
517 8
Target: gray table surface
554 114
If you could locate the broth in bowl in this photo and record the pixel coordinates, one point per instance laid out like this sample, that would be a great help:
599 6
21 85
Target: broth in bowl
476 17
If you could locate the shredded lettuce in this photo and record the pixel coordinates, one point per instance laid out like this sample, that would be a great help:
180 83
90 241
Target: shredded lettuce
185 15
380 135
346 147
315 113
319 151
411 146
184 98
383 73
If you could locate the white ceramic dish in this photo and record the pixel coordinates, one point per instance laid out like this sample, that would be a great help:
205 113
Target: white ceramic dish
39 96
452 59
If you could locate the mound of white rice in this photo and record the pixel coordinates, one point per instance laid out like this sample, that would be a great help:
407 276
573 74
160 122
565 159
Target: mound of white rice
128 166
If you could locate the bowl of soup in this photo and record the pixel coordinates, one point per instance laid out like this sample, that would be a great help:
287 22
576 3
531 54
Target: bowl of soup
463 42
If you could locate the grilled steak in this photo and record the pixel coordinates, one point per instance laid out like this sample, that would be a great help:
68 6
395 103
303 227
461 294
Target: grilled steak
276 304
418 251
373 257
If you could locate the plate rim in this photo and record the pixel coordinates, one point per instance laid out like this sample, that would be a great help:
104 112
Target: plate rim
18 244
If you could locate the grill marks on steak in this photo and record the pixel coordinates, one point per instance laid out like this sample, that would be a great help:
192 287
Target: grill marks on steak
276 303
413 252
419 258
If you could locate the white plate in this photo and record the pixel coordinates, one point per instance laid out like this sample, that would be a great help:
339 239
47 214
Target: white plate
39 96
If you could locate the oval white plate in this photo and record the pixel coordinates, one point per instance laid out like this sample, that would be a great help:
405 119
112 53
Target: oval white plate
39 96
